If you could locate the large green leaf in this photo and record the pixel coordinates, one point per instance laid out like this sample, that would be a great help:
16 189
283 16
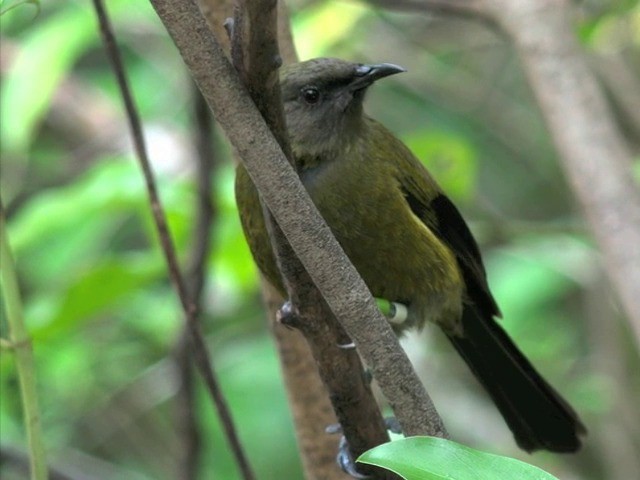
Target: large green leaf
430 458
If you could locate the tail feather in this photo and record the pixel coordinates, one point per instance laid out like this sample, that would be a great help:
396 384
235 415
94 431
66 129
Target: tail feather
535 412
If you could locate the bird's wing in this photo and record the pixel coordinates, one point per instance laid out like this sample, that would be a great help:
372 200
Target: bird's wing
439 214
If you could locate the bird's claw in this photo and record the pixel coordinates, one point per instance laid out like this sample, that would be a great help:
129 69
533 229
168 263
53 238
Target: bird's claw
346 462
288 315
344 459
333 429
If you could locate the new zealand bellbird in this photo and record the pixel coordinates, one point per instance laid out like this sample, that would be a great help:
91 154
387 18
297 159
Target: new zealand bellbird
404 236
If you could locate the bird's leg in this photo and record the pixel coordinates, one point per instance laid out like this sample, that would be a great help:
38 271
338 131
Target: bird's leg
396 313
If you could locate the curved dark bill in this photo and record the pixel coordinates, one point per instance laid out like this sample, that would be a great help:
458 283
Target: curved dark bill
365 75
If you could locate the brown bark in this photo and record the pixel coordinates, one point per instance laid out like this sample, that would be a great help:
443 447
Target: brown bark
308 399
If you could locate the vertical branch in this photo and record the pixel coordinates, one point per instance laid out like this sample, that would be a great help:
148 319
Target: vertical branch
201 355
206 207
612 359
186 420
20 343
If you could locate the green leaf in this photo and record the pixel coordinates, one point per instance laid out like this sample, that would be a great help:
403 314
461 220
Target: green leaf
430 458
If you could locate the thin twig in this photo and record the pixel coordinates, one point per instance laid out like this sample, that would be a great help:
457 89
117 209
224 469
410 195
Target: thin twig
201 355
23 352
206 207
186 419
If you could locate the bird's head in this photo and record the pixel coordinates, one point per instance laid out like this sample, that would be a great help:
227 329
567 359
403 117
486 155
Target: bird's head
323 101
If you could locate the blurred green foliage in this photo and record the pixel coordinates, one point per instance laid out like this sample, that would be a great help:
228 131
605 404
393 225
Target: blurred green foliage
97 299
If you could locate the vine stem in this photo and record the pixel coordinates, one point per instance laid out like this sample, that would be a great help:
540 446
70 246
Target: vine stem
20 343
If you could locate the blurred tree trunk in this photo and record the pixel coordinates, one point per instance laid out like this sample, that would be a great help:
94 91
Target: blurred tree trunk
595 157
614 359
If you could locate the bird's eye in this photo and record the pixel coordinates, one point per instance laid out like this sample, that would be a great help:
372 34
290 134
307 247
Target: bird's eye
311 95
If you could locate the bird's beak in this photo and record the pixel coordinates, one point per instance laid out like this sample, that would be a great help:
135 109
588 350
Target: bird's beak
365 75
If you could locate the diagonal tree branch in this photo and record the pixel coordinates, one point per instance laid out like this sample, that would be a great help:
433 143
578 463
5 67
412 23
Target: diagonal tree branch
186 420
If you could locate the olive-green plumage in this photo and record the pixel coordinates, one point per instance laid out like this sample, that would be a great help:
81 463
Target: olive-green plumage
404 236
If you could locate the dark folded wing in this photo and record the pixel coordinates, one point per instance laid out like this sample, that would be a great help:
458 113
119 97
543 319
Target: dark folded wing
444 219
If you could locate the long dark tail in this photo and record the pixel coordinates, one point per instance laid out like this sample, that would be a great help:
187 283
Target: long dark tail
536 414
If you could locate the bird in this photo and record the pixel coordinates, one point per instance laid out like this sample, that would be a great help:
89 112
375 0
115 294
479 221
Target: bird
404 236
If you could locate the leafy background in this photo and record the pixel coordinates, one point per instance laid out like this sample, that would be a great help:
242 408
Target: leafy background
103 315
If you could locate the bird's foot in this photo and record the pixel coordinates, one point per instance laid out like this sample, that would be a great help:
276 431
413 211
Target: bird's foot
346 462
344 459
229 24
288 315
